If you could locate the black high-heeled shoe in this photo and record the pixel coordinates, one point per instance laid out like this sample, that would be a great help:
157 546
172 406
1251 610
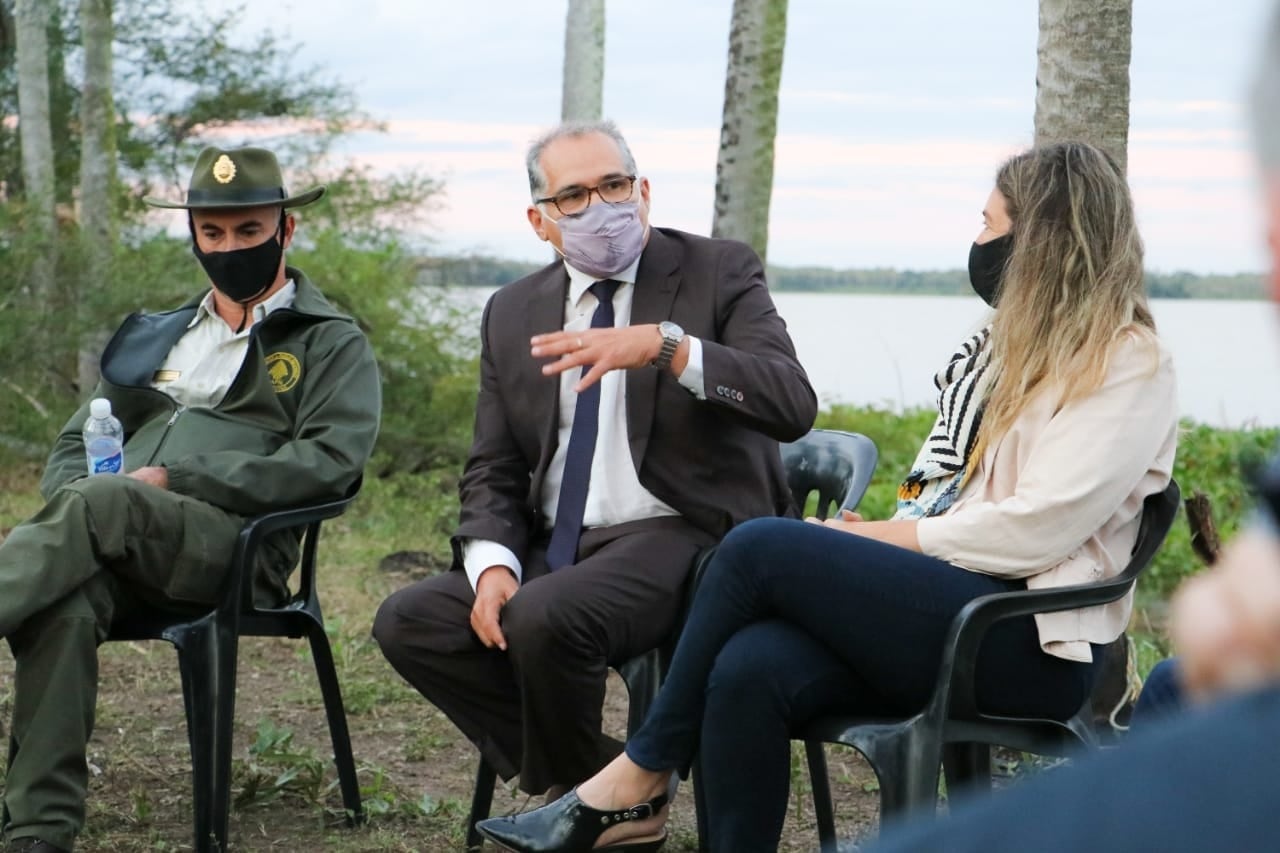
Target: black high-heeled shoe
570 826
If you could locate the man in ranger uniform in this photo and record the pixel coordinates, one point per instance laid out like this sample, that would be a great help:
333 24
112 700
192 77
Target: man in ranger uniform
256 395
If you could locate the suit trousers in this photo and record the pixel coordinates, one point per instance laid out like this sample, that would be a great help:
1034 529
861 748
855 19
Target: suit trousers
101 544
536 709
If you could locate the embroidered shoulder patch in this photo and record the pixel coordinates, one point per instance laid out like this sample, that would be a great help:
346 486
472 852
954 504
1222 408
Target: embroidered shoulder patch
284 370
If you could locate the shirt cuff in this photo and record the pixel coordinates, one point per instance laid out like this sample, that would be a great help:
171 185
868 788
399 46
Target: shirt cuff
480 554
691 377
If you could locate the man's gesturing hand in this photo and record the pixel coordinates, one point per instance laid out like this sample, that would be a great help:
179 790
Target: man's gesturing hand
494 588
623 348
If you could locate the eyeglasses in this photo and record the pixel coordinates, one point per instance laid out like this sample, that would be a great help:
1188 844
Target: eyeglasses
574 200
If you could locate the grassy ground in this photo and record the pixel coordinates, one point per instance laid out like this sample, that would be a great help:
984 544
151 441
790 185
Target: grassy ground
416 771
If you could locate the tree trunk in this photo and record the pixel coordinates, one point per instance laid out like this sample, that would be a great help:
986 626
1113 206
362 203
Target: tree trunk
583 94
744 169
97 179
1082 73
31 19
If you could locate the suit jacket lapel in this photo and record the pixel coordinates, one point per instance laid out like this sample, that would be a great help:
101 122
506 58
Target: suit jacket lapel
545 314
657 282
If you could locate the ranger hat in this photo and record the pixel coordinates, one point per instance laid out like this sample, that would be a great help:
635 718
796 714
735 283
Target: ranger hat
237 178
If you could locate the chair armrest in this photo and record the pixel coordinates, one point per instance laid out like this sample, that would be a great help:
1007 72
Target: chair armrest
238 596
954 693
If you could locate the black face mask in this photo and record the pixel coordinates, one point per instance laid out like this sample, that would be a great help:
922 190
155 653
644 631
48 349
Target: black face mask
242 274
986 266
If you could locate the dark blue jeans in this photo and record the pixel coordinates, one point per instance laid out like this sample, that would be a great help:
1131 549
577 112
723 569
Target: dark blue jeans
795 620
1161 695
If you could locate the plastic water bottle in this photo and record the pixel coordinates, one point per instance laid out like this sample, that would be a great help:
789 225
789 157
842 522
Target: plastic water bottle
103 439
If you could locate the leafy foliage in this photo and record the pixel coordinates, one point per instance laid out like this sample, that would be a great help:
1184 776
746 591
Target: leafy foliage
183 78
1218 463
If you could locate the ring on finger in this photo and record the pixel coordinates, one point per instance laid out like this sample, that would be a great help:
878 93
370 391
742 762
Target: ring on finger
579 343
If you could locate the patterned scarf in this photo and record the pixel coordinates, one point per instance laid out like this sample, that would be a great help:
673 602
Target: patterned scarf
944 462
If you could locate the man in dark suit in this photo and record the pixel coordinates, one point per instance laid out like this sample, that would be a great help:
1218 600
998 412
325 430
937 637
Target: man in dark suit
631 401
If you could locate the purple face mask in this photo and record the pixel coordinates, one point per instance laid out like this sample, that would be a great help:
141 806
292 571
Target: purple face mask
604 239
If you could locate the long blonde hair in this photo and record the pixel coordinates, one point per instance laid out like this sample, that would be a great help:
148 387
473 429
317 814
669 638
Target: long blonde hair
1073 284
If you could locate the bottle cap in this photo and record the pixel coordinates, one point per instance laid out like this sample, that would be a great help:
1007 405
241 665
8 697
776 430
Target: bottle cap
100 407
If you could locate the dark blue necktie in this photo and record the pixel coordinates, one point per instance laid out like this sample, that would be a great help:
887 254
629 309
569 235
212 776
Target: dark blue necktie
563 549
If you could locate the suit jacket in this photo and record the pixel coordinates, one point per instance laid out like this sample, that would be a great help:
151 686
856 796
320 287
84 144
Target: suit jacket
715 461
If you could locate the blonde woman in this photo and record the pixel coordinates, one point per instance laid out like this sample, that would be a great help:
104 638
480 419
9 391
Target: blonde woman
1054 423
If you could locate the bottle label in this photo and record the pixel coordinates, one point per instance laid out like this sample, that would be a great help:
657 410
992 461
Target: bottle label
107 465
104 455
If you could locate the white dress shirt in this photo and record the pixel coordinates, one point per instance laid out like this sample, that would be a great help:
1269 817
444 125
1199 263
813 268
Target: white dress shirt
204 362
614 494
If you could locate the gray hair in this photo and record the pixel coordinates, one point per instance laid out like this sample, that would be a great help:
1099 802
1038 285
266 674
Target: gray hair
1266 99
533 160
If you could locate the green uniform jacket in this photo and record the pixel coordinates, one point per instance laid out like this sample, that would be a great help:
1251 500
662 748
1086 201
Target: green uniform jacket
296 426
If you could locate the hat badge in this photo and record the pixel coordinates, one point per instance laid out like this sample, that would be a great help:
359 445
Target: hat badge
224 170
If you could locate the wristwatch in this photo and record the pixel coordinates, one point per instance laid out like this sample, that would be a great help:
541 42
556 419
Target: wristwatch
672 335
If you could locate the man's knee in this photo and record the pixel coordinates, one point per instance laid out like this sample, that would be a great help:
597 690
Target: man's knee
389 625
109 501
424 617
91 605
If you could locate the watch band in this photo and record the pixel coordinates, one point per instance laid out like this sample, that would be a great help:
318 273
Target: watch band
668 352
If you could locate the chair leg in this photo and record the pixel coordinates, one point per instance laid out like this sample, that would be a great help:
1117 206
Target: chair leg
908 776
643 678
337 716
700 806
13 752
967 767
481 803
207 660
823 810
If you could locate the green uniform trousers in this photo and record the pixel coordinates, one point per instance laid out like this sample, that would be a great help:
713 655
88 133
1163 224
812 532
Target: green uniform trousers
101 545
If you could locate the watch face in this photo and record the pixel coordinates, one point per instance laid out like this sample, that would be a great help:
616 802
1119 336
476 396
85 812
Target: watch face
670 329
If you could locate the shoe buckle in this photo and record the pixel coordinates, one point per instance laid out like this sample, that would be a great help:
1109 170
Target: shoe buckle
639 812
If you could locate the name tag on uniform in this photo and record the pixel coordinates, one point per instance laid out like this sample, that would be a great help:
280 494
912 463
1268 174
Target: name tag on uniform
166 375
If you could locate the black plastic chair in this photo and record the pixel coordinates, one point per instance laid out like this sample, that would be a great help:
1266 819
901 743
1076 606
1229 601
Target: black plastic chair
836 465
951 731
208 646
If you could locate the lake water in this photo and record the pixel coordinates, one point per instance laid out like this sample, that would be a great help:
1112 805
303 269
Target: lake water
884 350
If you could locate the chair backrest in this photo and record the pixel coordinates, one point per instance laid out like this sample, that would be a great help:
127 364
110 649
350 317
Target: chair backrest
836 465
1158 513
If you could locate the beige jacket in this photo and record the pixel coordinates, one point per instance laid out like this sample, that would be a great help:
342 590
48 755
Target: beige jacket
1058 499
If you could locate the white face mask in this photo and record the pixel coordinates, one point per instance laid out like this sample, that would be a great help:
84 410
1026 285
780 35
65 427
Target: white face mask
604 239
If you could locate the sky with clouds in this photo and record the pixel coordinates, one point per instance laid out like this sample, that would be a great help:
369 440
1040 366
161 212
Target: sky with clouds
893 116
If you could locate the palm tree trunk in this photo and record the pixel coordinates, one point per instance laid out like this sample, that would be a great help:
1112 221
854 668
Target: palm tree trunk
583 93
744 168
1082 73
31 19
97 178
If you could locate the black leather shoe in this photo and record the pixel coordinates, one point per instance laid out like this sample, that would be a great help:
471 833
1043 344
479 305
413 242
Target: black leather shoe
570 826
33 845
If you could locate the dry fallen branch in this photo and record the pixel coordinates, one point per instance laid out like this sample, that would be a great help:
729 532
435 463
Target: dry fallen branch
1204 533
